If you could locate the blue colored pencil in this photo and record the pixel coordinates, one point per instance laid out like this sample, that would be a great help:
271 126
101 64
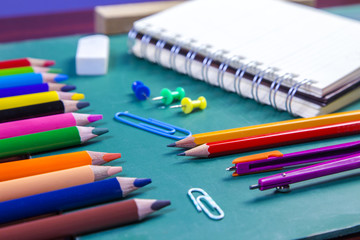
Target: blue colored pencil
30 79
69 198
43 87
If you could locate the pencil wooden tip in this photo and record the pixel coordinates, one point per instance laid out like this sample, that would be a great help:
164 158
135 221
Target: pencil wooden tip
111 156
159 204
172 145
181 154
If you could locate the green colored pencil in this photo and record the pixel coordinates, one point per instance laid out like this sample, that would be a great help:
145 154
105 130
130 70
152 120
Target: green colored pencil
46 141
28 69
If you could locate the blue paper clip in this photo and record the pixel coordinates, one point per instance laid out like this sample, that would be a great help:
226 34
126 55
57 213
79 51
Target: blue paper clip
162 128
201 207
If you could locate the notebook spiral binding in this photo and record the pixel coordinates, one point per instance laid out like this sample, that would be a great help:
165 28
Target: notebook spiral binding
223 67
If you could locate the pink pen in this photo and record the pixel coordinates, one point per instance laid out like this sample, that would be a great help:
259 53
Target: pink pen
47 123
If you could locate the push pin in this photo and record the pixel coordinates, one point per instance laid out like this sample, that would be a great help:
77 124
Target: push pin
141 91
188 105
168 97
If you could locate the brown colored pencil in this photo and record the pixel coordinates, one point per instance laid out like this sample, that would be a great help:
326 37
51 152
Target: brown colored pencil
83 221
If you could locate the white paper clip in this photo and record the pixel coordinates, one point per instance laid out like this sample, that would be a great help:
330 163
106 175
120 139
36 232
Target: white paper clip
198 202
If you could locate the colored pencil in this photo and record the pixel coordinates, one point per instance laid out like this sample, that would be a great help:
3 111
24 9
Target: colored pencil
28 69
46 123
27 186
69 198
23 62
84 221
36 88
46 141
30 79
198 139
15 158
34 166
239 145
37 98
39 110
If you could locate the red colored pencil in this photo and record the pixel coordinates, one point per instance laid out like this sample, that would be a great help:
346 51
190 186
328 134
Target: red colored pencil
84 221
23 62
239 145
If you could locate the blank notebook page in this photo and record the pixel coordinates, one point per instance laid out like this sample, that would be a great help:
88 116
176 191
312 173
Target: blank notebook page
290 37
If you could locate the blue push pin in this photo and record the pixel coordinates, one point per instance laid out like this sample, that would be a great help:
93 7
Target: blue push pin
141 91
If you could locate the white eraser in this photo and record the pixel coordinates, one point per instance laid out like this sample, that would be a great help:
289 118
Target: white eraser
92 55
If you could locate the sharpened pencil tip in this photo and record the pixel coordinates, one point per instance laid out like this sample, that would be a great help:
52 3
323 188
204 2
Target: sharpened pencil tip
255 186
49 63
159 204
81 105
181 154
140 182
111 156
114 170
77 96
61 77
99 131
54 70
172 145
68 88
95 117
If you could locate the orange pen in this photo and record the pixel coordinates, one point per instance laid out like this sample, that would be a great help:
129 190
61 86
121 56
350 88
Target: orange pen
29 167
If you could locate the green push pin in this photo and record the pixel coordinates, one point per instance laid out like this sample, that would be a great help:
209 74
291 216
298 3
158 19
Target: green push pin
188 105
168 96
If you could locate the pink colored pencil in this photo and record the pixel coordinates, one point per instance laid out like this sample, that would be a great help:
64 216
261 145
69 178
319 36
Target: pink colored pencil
47 123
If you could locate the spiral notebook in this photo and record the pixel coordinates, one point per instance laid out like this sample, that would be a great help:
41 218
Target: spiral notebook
292 57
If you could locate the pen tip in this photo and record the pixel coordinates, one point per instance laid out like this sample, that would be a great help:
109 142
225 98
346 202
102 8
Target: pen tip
181 154
172 145
255 186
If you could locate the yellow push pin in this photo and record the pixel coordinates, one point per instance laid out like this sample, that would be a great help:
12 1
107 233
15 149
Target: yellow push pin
188 105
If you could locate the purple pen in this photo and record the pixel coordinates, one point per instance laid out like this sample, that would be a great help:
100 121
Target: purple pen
275 160
281 181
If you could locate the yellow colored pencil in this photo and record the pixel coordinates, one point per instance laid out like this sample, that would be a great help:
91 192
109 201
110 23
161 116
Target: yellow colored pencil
37 98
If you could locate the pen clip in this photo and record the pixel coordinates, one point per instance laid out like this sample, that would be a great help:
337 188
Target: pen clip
200 206
152 125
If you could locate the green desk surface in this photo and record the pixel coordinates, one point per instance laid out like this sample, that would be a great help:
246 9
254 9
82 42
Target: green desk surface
322 206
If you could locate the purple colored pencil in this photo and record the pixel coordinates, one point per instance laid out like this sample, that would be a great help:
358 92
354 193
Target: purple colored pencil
281 181
272 162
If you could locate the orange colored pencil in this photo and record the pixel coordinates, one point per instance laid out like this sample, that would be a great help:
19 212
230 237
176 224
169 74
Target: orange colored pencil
29 167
